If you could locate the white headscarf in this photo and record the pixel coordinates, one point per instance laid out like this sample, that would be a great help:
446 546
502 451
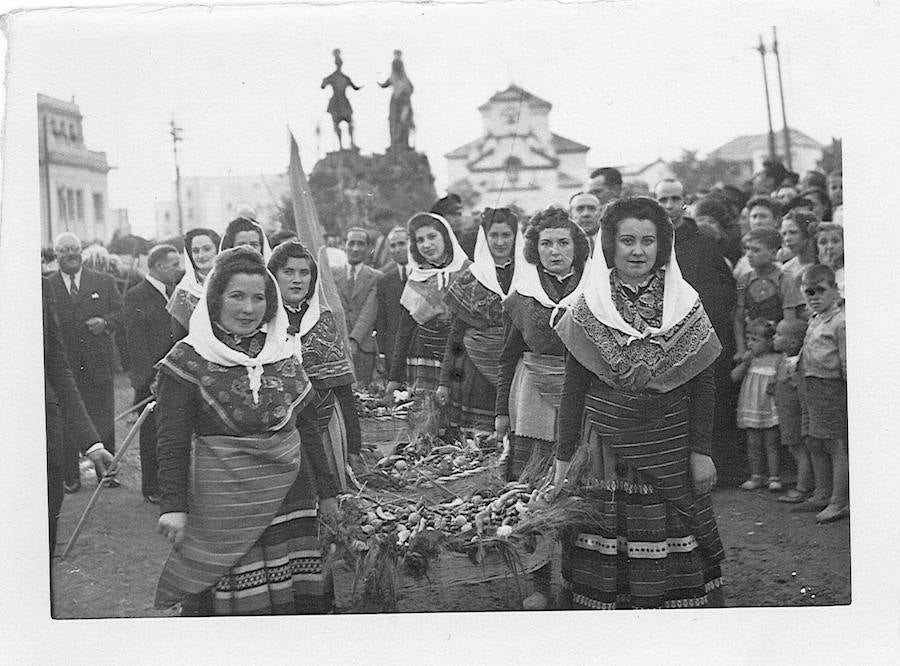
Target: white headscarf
421 272
679 297
527 281
484 268
266 250
189 281
276 348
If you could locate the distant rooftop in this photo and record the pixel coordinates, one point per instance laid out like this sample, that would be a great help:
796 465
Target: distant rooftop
743 147
515 93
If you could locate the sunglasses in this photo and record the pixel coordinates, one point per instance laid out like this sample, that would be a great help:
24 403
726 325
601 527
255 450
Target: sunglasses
812 291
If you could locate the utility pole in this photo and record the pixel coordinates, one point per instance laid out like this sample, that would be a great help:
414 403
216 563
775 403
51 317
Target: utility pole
787 132
176 137
762 54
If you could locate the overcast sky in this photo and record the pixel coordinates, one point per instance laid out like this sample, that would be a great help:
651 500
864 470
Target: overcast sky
633 80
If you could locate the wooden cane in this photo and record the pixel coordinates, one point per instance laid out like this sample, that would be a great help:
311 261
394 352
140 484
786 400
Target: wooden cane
119 453
133 408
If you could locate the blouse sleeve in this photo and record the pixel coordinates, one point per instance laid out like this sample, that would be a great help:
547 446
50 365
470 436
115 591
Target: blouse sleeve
513 348
701 411
314 450
176 409
453 350
405 331
571 407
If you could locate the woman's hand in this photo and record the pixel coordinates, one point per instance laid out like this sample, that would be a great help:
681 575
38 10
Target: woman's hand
173 526
389 392
328 510
501 426
442 395
703 472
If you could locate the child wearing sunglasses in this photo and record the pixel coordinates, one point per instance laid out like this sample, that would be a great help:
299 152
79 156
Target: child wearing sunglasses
823 360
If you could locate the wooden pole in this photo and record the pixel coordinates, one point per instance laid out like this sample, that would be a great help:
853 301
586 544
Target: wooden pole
762 54
121 451
787 132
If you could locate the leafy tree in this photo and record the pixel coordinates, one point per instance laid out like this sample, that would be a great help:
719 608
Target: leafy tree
701 175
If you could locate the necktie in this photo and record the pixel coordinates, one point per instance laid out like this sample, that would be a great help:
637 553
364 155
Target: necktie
352 281
169 291
402 273
73 291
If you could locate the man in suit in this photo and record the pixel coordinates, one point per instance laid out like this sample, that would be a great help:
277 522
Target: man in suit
390 287
381 220
356 284
89 309
65 413
149 333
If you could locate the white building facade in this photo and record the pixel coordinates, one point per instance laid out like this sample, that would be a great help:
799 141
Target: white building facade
213 201
73 185
751 150
518 160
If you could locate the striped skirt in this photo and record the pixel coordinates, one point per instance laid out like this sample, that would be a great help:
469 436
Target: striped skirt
651 542
473 379
251 546
423 365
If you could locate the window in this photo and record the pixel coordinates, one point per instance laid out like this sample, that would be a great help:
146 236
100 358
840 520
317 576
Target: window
70 205
79 205
99 209
63 208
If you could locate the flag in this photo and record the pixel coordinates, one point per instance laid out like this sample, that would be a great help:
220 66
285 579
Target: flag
312 236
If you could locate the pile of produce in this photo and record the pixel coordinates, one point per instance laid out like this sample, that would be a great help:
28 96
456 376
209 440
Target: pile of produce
372 405
429 458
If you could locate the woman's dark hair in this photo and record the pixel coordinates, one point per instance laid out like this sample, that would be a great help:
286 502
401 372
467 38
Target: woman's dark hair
641 208
294 249
815 192
280 236
492 216
420 220
806 221
555 217
194 233
238 225
761 327
238 260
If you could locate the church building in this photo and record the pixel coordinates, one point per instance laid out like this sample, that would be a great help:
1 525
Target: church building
518 160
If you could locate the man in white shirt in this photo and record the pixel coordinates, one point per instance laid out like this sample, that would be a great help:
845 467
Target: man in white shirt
390 288
356 283
585 209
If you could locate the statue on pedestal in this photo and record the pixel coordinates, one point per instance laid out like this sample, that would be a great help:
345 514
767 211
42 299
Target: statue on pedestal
339 106
400 115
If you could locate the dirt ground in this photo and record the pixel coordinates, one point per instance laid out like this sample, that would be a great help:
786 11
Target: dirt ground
774 557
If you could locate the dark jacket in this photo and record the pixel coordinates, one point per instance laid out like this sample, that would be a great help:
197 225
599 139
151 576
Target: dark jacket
390 288
705 269
148 331
90 356
62 400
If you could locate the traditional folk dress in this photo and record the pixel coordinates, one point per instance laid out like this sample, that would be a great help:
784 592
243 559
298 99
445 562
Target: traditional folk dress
251 545
471 360
531 367
185 297
425 324
640 370
327 364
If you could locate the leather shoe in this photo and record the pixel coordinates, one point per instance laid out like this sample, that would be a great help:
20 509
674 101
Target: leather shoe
72 487
110 482
153 498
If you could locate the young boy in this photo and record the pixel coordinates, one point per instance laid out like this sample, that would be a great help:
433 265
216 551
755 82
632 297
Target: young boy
824 363
765 292
788 342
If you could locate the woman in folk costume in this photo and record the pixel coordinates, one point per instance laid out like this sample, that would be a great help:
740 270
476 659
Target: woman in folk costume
234 405
246 231
469 372
640 368
548 277
435 260
325 359
200 249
